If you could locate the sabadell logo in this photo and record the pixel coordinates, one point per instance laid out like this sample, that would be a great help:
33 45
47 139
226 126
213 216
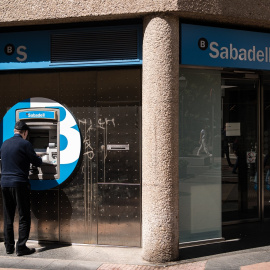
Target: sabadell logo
37 115
231 52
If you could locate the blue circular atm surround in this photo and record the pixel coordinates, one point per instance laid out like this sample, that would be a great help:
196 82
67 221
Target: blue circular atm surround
70 139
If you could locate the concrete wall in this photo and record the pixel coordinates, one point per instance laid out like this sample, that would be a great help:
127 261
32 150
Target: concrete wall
22 12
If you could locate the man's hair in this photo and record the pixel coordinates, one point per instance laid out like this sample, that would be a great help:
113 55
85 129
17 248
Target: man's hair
21 125
19 131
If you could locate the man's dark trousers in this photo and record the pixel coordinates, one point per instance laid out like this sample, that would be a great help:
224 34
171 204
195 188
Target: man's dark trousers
20 197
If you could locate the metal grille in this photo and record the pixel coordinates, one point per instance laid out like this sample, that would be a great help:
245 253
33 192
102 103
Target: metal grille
94 45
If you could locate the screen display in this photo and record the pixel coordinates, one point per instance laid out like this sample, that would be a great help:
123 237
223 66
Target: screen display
40 140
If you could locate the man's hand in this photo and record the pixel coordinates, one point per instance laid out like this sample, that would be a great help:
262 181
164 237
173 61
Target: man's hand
41 154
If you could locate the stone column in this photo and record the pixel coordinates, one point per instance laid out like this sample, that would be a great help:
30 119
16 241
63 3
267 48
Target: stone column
160 95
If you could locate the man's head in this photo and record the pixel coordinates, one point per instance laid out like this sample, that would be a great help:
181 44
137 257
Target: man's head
21 128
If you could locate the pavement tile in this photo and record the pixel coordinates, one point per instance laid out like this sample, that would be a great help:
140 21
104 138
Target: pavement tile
187 266
257 266
10 262
81 265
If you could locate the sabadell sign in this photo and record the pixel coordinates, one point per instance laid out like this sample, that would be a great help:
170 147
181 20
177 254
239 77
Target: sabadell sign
220 47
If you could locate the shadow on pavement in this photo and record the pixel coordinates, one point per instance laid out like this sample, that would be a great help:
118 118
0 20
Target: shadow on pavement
237 237
44 246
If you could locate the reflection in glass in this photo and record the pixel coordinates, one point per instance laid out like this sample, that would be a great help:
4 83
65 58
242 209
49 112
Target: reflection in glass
266 148
239 173
200 155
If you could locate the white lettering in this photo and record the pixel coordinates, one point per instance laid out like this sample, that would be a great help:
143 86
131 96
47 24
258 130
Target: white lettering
9 49
36 115
251 54
202 44
233 52
260 56
213 49
224 54
242 55
21 51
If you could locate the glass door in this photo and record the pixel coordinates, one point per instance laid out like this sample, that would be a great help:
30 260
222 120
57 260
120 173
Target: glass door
266 149
240 186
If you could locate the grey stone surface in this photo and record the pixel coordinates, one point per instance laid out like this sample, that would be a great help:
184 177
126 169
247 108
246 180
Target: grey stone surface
23 12
56 256
8 261
160 140
98 257
235 261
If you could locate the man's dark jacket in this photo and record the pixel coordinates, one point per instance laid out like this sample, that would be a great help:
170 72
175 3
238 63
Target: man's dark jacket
16 155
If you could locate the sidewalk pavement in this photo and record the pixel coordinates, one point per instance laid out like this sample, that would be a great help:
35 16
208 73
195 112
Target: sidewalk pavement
79 257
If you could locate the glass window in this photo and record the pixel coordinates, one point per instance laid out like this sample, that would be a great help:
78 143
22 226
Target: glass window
239 145
200 155
266 147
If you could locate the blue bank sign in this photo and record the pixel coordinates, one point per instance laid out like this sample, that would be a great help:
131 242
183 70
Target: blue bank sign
75 47
220 47
37 115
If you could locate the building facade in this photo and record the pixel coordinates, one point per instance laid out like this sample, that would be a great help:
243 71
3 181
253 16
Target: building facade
152 114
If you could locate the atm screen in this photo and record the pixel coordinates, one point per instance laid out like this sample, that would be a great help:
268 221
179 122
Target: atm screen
40 141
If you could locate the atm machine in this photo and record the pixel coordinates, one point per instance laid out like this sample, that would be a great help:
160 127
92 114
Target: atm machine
44 136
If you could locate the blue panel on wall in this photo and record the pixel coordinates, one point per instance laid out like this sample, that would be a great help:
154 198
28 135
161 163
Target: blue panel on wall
220 47
24 50
80 47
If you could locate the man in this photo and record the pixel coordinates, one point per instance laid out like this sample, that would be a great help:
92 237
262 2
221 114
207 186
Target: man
16 155
203 142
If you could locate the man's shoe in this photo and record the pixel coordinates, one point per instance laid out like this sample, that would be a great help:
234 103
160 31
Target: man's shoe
26 251
10 250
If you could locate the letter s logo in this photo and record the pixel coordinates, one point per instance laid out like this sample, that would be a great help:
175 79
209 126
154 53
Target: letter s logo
21 51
